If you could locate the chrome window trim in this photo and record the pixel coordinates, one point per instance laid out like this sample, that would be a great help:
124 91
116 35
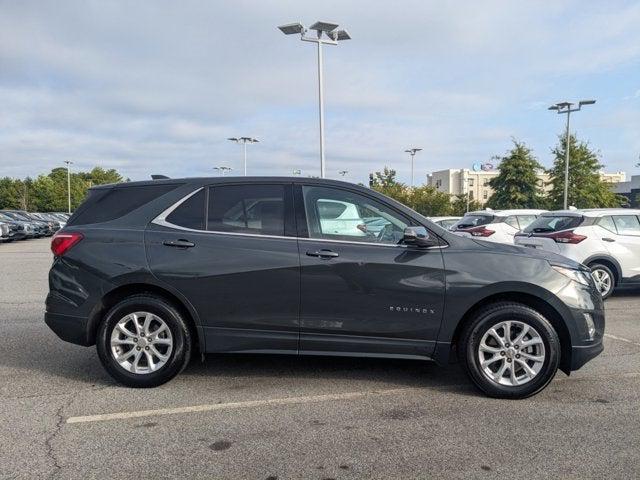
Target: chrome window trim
162 221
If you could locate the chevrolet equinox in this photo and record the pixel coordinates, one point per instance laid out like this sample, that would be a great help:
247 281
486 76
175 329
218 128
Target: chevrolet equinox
152 272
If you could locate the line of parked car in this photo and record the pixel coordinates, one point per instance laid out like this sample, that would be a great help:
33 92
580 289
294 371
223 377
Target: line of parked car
22 225
605 240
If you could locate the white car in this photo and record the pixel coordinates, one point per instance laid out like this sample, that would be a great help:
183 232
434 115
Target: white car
340 218
495 225
445 222
606 240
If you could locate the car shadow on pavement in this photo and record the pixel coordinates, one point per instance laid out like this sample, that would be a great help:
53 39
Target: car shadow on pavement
379 373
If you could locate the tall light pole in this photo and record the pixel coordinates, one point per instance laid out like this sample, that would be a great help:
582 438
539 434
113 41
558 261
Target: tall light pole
222 170
244 141
68 162
326 34
566 107
343 172
412 152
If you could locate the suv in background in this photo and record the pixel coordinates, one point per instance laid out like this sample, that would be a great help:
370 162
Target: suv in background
151 272
495 225
445 222
605 240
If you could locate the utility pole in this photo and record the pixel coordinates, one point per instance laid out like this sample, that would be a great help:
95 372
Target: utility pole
560 108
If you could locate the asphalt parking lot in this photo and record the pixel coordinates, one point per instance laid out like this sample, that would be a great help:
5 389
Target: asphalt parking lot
285 417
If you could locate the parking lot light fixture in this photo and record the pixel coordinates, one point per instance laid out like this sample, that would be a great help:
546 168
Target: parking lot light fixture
68 162
326 33
412 152
568 108
223 170
244 141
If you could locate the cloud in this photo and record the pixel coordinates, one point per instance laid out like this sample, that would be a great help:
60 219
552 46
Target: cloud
157 87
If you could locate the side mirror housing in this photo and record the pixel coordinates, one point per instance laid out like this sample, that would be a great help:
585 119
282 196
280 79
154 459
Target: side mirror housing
419 237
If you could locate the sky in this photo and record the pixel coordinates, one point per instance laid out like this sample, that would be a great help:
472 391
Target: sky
157 86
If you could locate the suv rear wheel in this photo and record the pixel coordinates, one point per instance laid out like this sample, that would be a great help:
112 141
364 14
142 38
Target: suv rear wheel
510 350
604 277
143 341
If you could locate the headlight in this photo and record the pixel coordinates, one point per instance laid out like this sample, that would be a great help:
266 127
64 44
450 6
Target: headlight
579 276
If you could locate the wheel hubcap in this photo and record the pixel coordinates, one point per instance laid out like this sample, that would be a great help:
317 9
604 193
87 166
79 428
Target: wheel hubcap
511 353
141 342
602 279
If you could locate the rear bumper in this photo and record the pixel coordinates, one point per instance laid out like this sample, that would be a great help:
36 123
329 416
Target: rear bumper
583 353
69 328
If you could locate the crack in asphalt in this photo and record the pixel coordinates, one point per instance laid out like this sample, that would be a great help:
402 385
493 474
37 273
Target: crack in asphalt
50 439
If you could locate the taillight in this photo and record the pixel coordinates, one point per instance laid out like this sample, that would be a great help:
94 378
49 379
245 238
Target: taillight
566 237
61 242
481 231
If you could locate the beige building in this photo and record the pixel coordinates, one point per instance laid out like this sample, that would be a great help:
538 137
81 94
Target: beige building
458 181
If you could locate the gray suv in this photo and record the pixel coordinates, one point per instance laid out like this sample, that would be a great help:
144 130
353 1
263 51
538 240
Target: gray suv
153 272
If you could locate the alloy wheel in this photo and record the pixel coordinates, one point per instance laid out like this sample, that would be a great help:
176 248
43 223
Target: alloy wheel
603 280
511 353
141 342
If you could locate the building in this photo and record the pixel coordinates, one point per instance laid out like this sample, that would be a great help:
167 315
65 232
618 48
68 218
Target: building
630 189
459 181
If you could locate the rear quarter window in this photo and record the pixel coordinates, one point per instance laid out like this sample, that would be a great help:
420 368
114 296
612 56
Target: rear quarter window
104 205
469 221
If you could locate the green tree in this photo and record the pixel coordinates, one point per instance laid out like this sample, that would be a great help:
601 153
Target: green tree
385 182
516 186
459 205
428 201
586 187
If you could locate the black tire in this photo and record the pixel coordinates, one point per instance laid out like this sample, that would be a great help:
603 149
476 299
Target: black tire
182 342
604 268
488 317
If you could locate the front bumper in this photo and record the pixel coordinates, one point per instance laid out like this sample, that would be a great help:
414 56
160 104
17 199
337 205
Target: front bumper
583 353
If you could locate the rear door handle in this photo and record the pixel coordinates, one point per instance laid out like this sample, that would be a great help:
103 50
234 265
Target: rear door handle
323 254
181 243
607 239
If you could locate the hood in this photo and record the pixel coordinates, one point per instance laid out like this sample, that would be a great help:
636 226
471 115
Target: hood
553 258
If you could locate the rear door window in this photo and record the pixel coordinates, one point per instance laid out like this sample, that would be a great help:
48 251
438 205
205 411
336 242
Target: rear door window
256 209
552 223
627 225
607 224
190 213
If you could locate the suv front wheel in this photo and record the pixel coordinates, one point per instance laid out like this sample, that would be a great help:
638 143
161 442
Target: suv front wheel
143 341
604 278
510 350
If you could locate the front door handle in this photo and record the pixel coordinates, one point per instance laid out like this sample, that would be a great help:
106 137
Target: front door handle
181 243
323 254
607 239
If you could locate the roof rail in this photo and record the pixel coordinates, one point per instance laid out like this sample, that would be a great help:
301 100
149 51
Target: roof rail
159 177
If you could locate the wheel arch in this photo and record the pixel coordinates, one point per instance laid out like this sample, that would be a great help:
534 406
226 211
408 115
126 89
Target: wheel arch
445 352
118 293
610 262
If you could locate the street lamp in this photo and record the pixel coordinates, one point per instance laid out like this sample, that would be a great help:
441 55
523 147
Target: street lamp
343 172
68 162
297 172
223 170
412 152
566 107
244 141
326 34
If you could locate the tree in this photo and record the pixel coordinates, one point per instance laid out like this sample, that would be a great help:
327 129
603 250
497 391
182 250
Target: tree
459 205
385 182
586 187
516 186
428 201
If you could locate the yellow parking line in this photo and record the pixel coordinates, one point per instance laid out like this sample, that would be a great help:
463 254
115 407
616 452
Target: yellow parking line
239 405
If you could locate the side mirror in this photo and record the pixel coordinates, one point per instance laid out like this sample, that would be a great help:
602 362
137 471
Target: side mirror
418 236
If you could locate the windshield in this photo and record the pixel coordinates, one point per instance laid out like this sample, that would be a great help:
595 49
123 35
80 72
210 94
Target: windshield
553 223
